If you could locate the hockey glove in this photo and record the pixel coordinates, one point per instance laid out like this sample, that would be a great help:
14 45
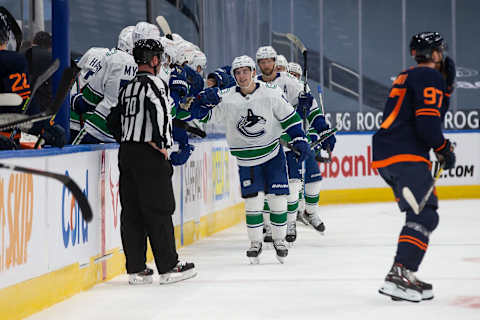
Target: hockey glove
446 155
180 135
329 143
449 73
222 78
195 80
54 135
301 145
80 105
305 101
178 85
197 110
320 124
181 156
209 97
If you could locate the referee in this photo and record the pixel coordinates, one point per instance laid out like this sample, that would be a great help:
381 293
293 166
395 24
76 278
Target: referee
146 192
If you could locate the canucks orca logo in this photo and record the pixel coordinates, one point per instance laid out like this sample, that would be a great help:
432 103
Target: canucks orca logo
252 125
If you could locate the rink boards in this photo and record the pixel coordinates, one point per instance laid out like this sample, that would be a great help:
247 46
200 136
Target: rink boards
48 253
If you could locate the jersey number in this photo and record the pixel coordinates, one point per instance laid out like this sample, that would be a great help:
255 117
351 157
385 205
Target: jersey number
395 92
430 96
18 83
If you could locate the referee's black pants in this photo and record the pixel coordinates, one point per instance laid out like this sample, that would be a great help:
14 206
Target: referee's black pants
148 202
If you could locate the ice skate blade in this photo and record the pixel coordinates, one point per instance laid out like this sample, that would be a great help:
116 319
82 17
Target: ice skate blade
177 277
391 290
135 282
281 259
254 260
427 295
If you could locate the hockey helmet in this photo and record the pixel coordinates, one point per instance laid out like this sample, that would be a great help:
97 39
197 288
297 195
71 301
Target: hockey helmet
295 68
198 59
266 52
145 30
242 61
425 43
125 40
146 49
281 61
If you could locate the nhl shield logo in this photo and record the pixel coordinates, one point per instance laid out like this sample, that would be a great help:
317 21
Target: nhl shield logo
251 126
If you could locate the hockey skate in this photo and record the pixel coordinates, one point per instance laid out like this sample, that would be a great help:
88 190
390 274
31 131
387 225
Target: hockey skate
427 290
301 218
315 221
400 284
182 271
267 235
142 277
281 250
253 253
291 232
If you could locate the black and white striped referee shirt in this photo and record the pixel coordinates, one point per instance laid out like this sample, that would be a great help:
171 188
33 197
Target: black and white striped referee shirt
146 111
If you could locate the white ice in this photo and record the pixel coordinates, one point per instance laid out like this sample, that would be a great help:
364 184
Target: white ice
335 276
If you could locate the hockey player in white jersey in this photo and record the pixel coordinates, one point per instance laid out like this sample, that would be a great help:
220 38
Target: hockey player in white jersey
256 114
307 107
88 64
101 92
281 63
295 70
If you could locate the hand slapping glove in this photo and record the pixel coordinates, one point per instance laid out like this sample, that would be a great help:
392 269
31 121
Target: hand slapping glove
181 156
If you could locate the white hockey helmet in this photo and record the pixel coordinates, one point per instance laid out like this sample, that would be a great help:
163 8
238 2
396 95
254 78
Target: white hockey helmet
145 30
281 62
199 59
125 40
184 52
295 68
242 61
170 50
176 37
266 52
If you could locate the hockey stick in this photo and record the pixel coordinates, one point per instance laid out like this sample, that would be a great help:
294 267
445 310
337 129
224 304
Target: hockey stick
25 122
322 108
194 130
10 99
66 180
40 80
163 24
300 46
66 83
324 136
410 198
15 28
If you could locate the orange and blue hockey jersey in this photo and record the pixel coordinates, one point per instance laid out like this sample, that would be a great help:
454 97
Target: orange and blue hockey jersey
412 119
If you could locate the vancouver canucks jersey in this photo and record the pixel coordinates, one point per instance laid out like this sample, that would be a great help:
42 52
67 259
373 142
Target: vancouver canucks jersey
118 68
254 122
89 64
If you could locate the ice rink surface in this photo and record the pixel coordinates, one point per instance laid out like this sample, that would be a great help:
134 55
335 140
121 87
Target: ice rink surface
335 276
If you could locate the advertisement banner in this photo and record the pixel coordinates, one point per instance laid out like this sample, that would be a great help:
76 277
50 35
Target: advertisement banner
70 238
23 249
351 165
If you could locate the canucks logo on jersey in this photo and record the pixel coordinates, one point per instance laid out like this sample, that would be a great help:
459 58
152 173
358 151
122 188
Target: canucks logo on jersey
251 126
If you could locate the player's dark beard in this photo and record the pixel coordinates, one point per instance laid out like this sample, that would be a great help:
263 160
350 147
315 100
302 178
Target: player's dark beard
269 73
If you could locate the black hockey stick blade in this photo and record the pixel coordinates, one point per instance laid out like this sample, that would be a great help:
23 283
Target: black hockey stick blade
15 28
194 130
40 80
68 78
66 83
80 197
325 134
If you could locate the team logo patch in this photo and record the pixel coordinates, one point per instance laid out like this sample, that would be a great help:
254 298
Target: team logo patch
251 126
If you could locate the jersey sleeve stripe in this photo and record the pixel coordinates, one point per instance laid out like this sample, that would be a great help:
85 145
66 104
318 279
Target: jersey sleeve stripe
90 96
313 114
400 158
290 121
442 146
